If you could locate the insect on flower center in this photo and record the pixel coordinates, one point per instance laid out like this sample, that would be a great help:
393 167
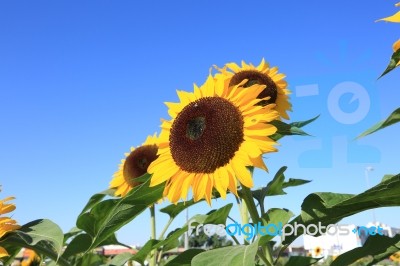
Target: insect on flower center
256 77
195 127
206 134
138 161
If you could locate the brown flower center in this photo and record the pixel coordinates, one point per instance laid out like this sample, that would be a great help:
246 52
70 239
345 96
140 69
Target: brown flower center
256 77
138 161
206 134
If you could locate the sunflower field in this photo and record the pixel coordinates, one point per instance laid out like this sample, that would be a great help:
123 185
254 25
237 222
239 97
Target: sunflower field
216 136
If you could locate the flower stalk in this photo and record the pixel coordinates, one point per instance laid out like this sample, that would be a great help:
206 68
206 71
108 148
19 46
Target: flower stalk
153 256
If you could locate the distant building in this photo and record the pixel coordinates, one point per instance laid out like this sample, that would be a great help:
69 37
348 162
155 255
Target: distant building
343 239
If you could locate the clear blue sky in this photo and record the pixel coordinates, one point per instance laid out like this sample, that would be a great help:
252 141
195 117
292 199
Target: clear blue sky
81 82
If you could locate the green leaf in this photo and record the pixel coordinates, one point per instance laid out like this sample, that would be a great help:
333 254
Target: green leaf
79 244
292 182
144 251
96 198
274 187
91 259
274 216
73 232
380 247
386 177
217 217
393 63
228 256
302 261
106 217
174 210
185 258
330 208
301 124
120 259
392 119
284 129
43 236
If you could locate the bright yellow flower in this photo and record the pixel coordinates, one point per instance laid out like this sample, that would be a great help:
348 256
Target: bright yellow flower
6 224
276 86
134 165
32 260
214 134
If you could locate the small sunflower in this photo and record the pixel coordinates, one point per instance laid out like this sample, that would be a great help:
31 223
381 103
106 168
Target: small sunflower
395 257
214 134
32 260
276 86
317 251
6 224
134 165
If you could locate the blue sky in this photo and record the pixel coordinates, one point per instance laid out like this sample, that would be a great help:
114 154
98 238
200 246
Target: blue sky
81 82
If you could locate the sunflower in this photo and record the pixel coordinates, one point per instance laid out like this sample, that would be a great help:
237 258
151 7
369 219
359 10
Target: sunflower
276 86
317 251
134 165
214 134
395 257
6 224
32 260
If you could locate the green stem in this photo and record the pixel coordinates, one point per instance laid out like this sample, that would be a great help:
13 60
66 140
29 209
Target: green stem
153 257
244 215
251 206
266 253
161 237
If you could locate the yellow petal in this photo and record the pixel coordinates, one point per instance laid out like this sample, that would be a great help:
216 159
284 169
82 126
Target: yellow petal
3 252
209 188
259 162
395 18
242 173
396 45
162 172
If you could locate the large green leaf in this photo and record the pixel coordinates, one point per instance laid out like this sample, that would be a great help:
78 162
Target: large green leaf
174 209
106 217
73 232
120 259
302 261
394 60
274 216
96 198
392 119
239 255
380 247
79 244
216 217
42 236
330 208
185 258
144 251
